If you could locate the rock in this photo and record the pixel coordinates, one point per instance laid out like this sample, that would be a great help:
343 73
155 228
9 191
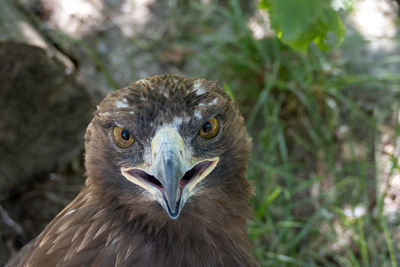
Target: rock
44 110
43 116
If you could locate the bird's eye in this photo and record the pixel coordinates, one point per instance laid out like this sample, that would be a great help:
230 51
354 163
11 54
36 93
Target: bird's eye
122 137
209 129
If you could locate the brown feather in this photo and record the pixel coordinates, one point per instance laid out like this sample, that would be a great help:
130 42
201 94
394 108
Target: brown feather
112 222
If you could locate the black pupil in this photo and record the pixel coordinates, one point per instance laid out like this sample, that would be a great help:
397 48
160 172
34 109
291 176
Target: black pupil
207 127
125 135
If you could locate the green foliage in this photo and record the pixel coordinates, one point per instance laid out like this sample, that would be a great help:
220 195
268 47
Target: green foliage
298 23
295 104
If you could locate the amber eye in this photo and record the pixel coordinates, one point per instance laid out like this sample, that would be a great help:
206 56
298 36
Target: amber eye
122 137
209 129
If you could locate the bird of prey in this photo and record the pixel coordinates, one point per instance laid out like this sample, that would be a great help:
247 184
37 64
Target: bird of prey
165 163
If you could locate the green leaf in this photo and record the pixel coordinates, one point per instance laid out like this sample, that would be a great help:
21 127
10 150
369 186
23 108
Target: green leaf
228 90
265 4
298 23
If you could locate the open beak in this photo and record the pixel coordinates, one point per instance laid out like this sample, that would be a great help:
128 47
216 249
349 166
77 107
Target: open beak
170 178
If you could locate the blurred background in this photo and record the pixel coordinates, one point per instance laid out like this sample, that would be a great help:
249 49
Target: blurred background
324 117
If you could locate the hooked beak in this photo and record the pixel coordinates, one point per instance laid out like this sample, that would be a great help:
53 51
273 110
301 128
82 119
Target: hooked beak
170 178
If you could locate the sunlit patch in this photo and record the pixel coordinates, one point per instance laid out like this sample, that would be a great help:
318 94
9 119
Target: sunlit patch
204 104
70 212
177 121
104 114
133 13
355 213
76 17
143 81
198 87
214 102
121 104
375 19
260 25
200 91
388 179
31 34
197 114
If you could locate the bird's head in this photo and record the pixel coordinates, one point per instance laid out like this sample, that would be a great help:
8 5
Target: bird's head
165 141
